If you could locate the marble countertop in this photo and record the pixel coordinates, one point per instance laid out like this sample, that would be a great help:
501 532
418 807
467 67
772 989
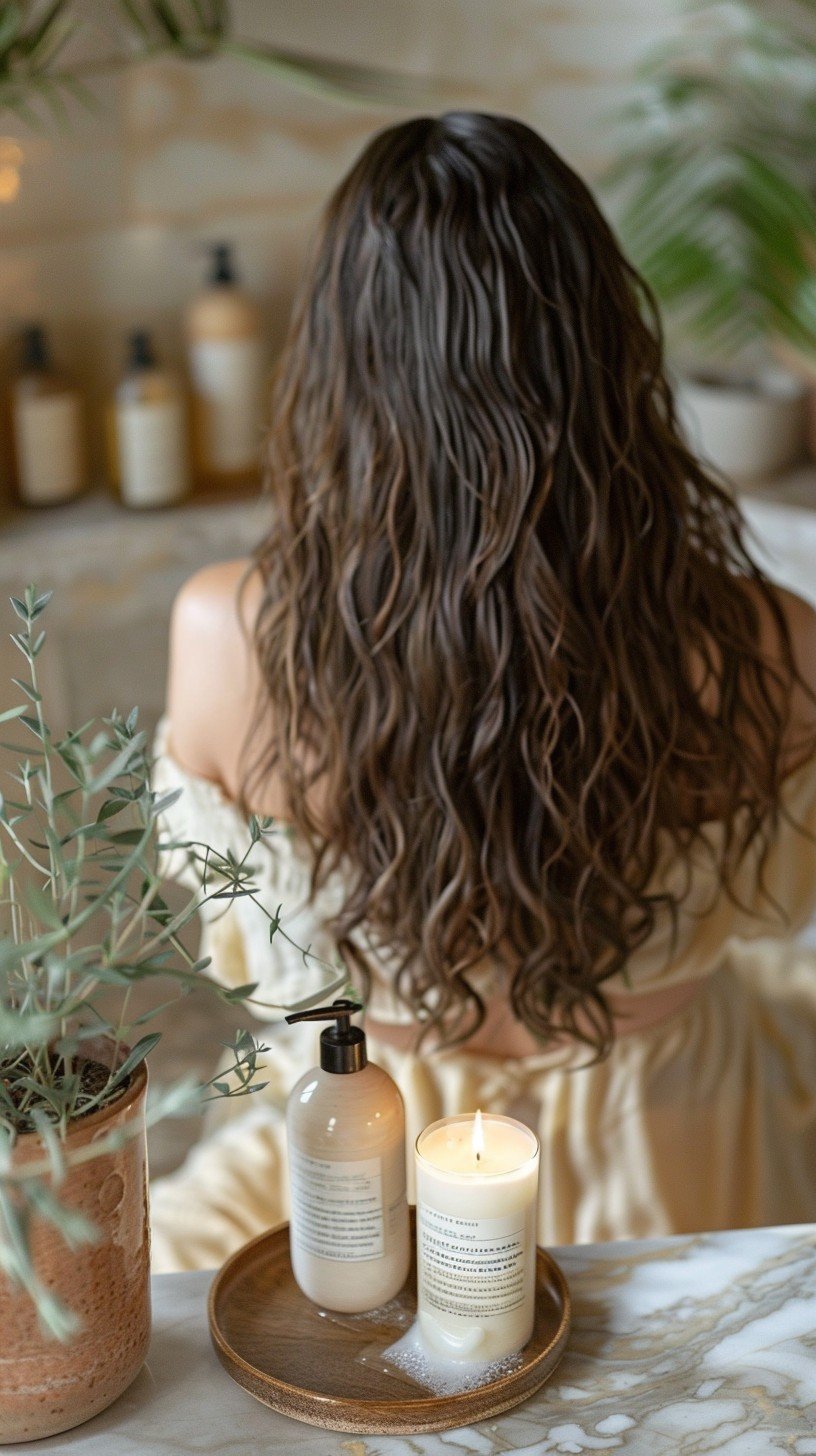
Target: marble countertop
679 1347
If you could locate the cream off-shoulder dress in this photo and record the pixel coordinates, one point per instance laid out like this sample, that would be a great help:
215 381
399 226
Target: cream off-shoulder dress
705 1120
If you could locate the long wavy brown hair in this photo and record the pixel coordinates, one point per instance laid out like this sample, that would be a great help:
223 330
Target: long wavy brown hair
510 626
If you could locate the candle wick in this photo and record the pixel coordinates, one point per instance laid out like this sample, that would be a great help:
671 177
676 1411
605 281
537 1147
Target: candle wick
478 1157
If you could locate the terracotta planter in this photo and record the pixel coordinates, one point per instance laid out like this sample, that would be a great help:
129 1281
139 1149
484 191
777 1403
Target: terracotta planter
46 1386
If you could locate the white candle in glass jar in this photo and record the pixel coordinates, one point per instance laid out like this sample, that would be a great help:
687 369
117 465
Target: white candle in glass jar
477 1191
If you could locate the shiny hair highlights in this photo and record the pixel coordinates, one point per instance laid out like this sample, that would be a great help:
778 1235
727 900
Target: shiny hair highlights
506 627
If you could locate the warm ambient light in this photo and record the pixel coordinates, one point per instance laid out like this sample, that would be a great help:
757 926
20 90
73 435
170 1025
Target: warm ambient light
9 183
478 1136
11 155
10 151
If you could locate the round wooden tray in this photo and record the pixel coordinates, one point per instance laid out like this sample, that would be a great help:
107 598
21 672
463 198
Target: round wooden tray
327 1369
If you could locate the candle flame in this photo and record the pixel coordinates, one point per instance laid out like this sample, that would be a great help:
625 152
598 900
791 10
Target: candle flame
478 1136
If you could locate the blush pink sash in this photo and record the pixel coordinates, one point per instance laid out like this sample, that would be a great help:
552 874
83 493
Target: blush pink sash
502 1035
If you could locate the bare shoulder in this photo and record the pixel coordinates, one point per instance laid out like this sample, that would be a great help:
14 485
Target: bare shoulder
213 677
217 599
800 618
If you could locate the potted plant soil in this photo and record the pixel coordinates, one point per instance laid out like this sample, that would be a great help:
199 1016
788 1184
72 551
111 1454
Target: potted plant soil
82 923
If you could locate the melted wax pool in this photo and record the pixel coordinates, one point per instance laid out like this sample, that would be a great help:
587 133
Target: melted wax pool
440 1376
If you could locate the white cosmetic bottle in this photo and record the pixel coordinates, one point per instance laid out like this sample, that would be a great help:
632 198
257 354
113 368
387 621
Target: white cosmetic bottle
150 430
47 426
227 370
345 1121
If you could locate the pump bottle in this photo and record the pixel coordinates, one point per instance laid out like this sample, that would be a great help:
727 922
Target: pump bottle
345 1121
227 370
150 430
48 431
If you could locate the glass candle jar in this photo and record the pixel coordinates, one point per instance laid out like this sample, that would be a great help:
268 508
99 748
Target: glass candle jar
477 1194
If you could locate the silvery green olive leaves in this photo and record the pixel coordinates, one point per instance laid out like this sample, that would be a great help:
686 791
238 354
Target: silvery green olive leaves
83 921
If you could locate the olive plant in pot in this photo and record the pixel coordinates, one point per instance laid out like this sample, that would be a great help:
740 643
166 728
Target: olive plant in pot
84 924
713 189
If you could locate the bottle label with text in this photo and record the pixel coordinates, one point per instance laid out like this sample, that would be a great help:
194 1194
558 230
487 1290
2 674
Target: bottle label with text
228 377
50 449
471 1266
337 1207
152 452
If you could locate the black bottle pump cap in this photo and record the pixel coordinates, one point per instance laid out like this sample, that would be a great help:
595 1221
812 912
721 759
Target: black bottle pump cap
141 354
342 1046
223 267
33 348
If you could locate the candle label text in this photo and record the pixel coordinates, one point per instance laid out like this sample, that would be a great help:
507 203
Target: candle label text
337 1207
471 1266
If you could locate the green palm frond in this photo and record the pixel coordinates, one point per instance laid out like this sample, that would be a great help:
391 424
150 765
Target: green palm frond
193 27
37 83
340 80
717 172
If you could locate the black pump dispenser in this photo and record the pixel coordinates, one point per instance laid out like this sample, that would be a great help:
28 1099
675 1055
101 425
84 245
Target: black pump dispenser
342 1046
223 268
34 350
140 351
